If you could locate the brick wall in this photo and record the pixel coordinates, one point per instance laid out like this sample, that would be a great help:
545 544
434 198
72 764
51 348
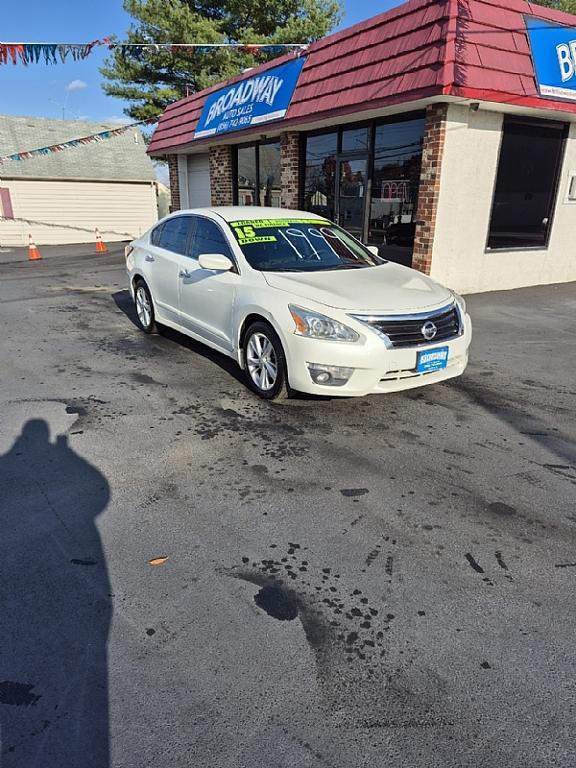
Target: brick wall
172 161
434 137
289 169
221 177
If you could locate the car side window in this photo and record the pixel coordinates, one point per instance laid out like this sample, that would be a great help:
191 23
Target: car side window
174 235
209 238
156 233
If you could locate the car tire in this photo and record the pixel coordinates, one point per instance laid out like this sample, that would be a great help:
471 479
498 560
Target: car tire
265 363
144 307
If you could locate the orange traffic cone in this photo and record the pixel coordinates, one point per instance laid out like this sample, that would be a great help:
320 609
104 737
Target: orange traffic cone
33 252
100 244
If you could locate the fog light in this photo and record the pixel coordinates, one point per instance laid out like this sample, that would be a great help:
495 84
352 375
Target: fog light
329 375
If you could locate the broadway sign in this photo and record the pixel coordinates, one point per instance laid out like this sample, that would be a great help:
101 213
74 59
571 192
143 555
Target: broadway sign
258 99
554 55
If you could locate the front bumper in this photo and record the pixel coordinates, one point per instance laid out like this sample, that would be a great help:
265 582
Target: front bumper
376 368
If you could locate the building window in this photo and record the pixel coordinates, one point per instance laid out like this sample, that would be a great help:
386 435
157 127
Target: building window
366 179
320 174
395 183
258 174
526 184
355 140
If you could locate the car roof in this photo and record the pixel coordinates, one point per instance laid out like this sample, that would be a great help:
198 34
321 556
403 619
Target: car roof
252 212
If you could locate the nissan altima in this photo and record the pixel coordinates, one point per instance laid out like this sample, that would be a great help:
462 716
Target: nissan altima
299 303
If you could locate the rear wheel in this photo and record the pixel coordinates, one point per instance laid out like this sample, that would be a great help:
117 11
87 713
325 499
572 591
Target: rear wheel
265 363
144 308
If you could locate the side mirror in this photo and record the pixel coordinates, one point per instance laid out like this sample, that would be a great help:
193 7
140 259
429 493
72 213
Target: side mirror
216 262
373 249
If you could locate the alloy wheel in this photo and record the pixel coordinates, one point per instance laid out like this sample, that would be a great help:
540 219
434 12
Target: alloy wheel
143 308
261 361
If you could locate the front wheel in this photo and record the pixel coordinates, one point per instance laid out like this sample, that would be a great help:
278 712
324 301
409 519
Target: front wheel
265 363
144 308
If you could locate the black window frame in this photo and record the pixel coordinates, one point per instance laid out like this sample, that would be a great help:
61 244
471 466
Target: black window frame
372 125
563 129
256 146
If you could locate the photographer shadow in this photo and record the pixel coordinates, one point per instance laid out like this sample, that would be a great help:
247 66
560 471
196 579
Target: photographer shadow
55 606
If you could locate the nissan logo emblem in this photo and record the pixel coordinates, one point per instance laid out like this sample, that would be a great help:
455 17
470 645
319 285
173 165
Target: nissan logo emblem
429 330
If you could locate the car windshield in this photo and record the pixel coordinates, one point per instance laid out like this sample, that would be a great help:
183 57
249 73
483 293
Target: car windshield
300 245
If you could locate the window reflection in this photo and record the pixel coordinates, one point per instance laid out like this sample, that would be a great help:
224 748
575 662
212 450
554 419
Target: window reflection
395 182
258 174
269 181
320 175
247 179
355 140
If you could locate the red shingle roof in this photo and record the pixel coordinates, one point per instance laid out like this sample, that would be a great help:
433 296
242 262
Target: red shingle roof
474 49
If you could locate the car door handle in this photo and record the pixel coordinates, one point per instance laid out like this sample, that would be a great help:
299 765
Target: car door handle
149 258
184 273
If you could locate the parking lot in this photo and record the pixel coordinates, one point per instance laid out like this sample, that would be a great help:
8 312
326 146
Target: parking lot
386 581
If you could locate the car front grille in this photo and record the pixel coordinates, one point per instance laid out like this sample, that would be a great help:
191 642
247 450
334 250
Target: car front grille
408 331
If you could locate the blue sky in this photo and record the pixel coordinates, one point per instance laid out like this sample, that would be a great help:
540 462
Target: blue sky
45 90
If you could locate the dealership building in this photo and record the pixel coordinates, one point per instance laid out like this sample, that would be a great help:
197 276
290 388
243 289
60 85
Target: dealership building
442 131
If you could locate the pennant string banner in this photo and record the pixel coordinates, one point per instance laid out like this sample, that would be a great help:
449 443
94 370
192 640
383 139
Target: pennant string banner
54 53
82 141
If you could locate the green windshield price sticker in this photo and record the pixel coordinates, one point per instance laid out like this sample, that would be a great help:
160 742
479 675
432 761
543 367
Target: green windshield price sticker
262 239
247 228
246 234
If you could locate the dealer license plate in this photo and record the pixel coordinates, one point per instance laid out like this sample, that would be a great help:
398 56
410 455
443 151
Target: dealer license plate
431 360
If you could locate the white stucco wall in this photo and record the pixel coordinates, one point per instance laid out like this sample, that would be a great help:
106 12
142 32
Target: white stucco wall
72 209
469 166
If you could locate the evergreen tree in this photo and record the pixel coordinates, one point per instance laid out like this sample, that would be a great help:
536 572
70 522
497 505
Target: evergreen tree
561 5
151 80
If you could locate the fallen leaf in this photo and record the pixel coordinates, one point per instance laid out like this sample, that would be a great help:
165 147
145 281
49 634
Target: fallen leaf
158 560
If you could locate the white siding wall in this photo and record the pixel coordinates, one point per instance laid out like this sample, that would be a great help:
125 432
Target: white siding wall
121 211
469 166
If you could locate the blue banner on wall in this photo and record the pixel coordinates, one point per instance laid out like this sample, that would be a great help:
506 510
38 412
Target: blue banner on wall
554 55
253 101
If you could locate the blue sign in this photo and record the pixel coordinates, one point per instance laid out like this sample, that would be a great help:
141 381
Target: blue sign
258 99
554 55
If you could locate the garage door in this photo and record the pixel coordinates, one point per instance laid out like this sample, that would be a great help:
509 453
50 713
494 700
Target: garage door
198 181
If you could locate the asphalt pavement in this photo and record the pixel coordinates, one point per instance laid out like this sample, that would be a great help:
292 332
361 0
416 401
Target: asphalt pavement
192 577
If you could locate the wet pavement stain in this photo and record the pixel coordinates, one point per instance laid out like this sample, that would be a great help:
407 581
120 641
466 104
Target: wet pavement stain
353 493
498 508
278 602
473 563
341 625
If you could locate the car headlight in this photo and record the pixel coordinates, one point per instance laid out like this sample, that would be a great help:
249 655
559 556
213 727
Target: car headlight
317 326
460 301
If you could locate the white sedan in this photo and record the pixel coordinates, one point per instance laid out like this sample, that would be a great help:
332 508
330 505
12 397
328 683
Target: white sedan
298 302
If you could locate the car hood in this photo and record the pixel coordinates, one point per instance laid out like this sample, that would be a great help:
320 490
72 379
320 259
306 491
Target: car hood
387 288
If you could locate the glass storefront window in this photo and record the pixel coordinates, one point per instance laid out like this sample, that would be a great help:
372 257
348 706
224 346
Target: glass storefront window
366 178
247 176
527 184
269 173
320 174
355 140
258 175
395 182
